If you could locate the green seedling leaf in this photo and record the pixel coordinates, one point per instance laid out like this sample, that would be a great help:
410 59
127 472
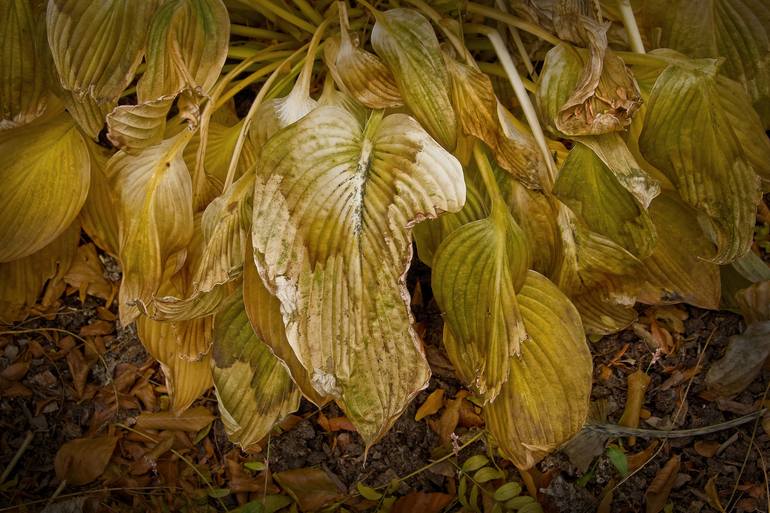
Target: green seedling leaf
507 492
618 459
474 463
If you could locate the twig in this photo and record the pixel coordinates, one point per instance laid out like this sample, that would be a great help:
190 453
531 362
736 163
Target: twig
613 429
17 456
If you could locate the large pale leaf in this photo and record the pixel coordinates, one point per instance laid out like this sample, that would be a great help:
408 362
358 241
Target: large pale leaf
738 30
689 137
405 41
545 401
154 195
334 204
676 270
588 187
45 175
186 48
22 65
23 279
100 221
479 300
254 390
97 46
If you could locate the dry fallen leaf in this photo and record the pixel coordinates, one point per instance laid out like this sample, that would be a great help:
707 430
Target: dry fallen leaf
432 404
422 502
706 448
445 426
660 488
335 423
742 362
82 460
311 488
192 420
713 494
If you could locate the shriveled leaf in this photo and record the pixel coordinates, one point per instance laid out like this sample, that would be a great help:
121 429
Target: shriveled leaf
477 108
87 274
311 488
660 488
134 127
22 64
82 460
253 388
97 46
154 193
479 300
191 421
186 48
45 172
220 143
334 204
98 216
23 279
406 42
582 93
423 502
87 112
676 271
432 404
688 135
742 362
588 187
545 401
264 312
754 302
360 74
183 349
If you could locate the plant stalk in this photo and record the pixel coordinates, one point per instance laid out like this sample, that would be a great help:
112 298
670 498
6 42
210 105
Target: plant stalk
629 21
508 19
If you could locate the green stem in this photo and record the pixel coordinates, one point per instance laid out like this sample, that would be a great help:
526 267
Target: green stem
308 11
493 13
258 33
518 42
499 204
629 21
282 13
490 68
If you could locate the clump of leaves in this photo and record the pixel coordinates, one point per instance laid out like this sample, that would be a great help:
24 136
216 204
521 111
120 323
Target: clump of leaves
266 253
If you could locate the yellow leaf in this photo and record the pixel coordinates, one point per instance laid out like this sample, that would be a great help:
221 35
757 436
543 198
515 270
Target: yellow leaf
545 401
134 127
334 204
45 172
98 215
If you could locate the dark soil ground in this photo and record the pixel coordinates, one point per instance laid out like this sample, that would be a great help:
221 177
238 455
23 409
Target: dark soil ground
729 466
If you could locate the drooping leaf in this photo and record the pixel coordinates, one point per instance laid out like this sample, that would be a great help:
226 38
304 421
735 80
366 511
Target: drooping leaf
154 195
98 216
588 187
23 279
97 46
689 137
186 48
406 42
477 108
45 172
479 300
676 271
334 203
545 401
253 388
22 65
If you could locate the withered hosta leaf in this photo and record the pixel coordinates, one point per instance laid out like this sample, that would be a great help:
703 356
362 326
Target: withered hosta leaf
361 74
536 213
476 107
87 112
738 30
253 388
690 138
545 401
754 302
405 41
676 271
23 279
82 460
134 127
97 46
220 143
98 216
45 172
334 204
601 315
586 95
186 48
588 187
154 196
264 312
479 300
22 64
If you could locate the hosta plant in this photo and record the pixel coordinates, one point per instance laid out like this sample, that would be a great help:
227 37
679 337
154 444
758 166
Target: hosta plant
264 169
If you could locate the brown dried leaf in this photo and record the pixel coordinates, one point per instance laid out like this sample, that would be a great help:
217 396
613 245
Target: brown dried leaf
660 488
706 448
742 362
432 404
422 502
713 494
192 420
311 488
82 460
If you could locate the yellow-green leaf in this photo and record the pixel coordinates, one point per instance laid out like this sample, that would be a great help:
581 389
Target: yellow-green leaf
100 221
334 204
97 46
186 48
45 172
690 138
253 388
22 64
134 127
154 195
405 41
545 401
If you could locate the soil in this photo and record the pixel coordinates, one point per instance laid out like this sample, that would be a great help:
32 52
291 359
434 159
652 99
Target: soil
736 474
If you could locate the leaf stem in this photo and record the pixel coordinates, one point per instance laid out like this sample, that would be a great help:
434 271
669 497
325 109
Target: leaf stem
629 21
488 177
508 19
284 14
518 42
258 33
308 11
